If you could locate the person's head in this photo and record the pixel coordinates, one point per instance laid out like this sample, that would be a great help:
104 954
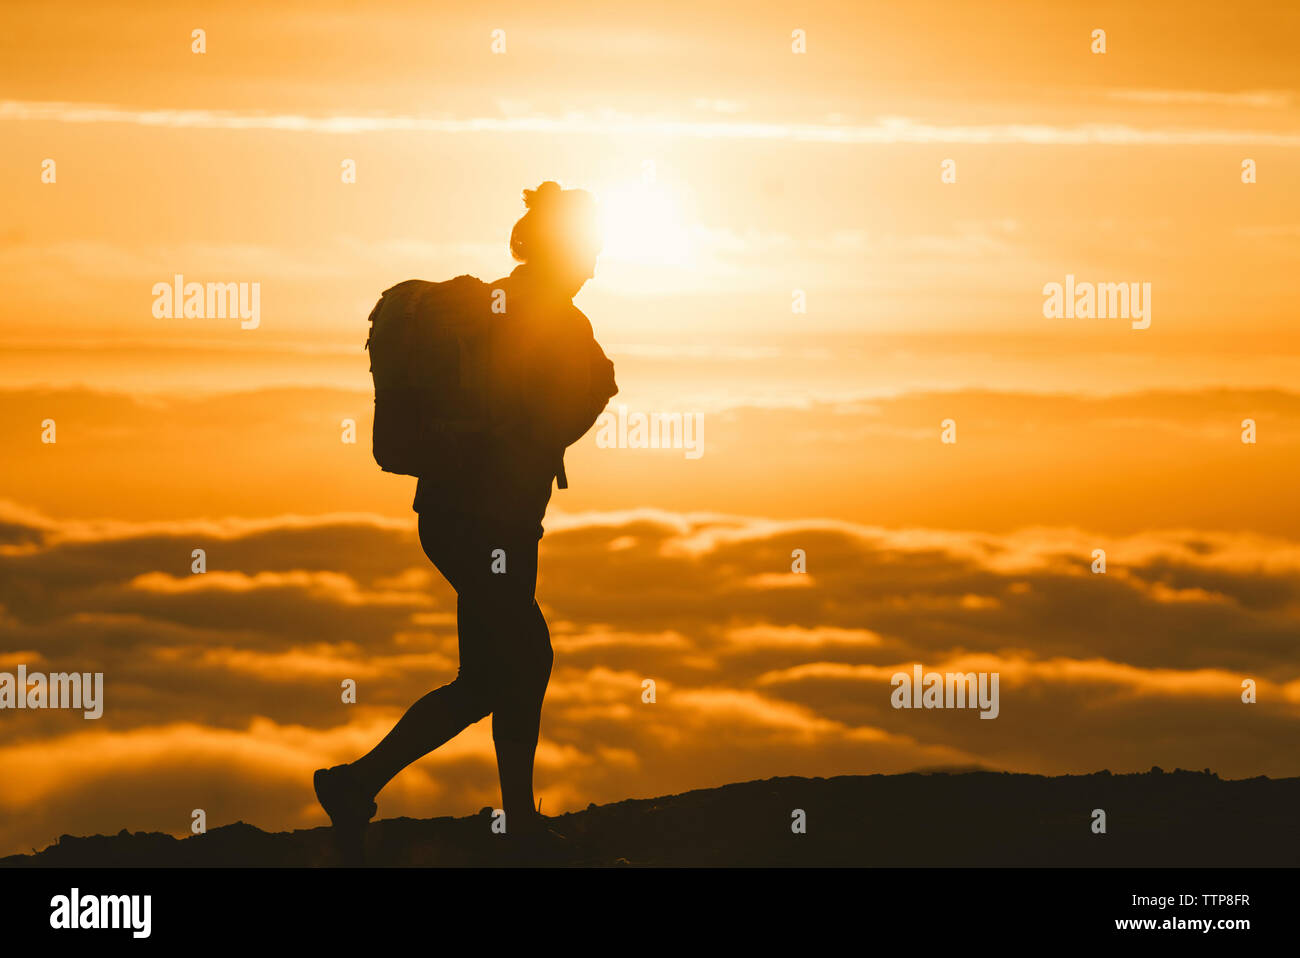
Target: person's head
559 237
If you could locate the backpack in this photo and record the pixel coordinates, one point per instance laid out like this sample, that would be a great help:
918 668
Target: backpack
431 357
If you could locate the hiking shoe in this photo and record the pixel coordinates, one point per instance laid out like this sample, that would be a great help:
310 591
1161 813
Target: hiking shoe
342 798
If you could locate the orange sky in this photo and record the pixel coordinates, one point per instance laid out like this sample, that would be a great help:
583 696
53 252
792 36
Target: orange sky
772 172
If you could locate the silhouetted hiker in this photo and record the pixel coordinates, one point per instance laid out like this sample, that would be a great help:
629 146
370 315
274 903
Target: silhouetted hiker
551 381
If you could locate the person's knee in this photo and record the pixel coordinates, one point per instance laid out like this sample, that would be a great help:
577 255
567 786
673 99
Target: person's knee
544 657
476 695
520 658
535 640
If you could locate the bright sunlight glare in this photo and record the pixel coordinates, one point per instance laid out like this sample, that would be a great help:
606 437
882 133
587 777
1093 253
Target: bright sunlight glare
644 225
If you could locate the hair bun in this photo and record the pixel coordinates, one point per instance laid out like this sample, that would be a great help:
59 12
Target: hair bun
544 195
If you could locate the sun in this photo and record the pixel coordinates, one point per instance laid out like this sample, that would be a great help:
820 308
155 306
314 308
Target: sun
644 225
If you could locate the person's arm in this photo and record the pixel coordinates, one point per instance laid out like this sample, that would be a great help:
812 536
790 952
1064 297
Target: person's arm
589 404
574 381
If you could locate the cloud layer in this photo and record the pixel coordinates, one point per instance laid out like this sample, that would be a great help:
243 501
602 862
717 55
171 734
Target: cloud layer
223 689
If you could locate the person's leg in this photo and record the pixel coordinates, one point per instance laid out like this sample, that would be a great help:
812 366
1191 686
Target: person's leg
506 657
433 720
516 723
447 711
516 720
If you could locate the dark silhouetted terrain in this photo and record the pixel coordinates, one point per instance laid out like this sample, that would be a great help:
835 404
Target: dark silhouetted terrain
973 818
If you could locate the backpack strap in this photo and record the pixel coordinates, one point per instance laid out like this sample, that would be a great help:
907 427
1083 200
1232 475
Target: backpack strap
561 479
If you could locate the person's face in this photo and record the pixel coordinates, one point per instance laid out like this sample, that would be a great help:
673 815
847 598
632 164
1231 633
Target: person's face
571 272
584 268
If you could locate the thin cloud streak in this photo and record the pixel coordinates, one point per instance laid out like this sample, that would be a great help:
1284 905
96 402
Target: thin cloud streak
886 130
1267 99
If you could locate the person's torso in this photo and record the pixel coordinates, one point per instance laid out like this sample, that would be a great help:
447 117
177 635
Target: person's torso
508 472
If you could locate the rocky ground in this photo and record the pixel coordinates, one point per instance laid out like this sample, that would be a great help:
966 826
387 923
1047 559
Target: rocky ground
974 818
